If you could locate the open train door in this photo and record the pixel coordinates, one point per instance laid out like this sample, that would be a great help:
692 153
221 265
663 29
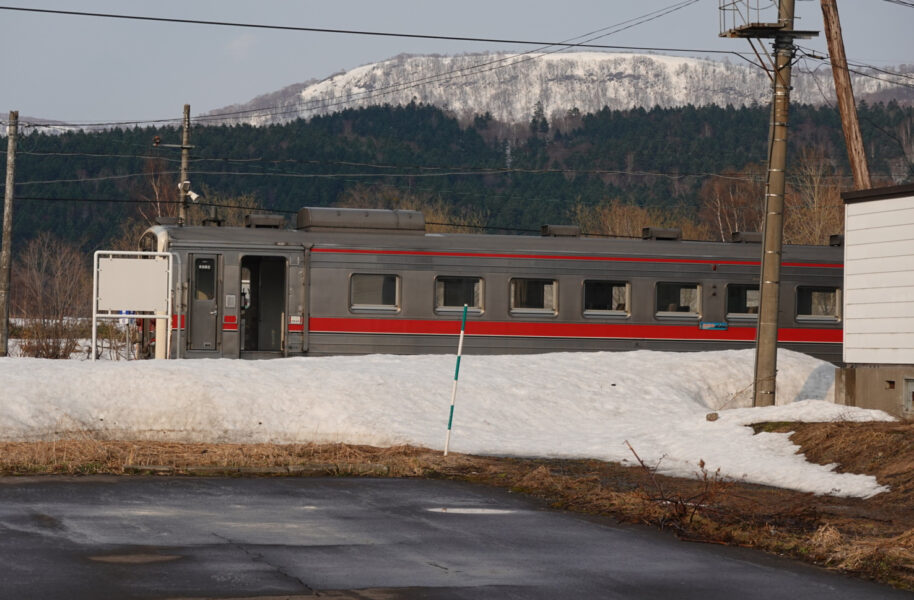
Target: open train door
263 306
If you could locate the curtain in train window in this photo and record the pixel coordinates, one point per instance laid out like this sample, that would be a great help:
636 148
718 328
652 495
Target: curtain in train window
818 303
605 297
678 299
451 293
534 295
371 291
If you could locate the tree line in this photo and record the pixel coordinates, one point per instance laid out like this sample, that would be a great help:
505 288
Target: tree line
700 169
507 176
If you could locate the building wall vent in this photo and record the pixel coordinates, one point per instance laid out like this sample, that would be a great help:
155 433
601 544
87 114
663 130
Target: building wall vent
836 239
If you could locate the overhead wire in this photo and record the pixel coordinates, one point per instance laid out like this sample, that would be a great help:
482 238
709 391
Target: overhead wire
813 73
266 111
500 63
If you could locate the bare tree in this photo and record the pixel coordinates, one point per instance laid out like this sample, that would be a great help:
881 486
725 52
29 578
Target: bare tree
627 220
734 201
814 210
160 196
439 216
51 285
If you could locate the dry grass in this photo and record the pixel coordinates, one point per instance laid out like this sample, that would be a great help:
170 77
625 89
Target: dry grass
871 538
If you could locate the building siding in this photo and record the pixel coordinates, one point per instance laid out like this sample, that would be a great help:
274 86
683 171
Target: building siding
879 281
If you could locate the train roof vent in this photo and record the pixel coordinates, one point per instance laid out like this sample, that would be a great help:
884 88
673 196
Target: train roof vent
371 220
836 239
560 231
660 233
163 220
746 237
261 221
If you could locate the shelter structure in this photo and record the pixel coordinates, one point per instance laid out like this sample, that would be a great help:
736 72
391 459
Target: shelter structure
878 301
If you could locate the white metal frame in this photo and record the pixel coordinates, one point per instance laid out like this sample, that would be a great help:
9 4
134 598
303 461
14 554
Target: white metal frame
144 314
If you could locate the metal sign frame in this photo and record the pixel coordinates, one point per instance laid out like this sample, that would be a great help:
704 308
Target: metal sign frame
127 298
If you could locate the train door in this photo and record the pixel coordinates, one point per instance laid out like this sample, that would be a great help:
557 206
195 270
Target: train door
204 309
263 305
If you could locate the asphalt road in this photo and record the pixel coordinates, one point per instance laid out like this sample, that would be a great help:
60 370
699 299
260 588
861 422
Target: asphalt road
158 537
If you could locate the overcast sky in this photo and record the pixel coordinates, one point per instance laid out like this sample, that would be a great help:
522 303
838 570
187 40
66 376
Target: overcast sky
86 69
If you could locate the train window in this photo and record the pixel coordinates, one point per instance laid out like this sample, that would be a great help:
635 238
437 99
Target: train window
742 301
678 299
534 296
205 278
818 303
368 291
451 293
606 298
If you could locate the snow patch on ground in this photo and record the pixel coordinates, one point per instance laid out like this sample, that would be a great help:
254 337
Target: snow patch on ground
552 405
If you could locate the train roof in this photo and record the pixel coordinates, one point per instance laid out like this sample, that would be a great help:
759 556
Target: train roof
243 237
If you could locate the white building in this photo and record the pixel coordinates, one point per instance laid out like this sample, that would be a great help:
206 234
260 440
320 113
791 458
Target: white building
878 301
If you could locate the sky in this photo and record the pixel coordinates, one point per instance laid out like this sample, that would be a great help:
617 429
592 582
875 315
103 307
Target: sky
89 69
574 405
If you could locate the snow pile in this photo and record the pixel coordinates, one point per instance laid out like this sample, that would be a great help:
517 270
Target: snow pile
558 405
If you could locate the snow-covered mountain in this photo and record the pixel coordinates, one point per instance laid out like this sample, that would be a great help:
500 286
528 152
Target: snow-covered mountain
509 86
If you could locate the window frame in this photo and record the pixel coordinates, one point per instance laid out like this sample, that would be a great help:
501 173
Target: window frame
471 309
376 308
210 289
742 316
670 314
832 318
532 311
597 312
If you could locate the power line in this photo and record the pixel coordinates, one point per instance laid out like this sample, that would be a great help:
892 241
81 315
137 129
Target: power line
902 3
274 210
809 53
281 110
349 31
499 63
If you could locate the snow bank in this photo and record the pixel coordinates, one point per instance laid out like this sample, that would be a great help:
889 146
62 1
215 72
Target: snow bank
556 405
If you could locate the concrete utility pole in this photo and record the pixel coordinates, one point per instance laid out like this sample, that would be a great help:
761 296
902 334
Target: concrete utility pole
6 252
783 33
766 354
185 155
843 89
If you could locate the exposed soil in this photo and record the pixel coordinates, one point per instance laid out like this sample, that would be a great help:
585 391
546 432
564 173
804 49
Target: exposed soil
872 538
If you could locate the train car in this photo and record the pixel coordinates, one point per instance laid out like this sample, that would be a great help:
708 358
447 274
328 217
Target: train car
352 281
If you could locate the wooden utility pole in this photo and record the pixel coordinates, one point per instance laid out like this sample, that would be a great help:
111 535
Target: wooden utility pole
843 89
185 155
783 33
6 251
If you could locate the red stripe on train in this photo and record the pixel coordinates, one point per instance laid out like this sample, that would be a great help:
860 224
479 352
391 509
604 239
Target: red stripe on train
566 330
639 259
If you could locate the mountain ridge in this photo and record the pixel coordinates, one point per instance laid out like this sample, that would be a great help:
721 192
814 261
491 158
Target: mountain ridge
510 86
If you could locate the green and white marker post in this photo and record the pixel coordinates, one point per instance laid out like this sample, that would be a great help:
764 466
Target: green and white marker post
450 419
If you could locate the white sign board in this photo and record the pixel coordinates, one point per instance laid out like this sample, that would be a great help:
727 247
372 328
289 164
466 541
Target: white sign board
133 284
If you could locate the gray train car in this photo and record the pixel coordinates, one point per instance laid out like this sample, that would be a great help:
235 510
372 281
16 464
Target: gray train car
351 281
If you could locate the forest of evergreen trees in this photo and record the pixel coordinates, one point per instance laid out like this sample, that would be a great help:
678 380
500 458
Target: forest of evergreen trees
81 186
